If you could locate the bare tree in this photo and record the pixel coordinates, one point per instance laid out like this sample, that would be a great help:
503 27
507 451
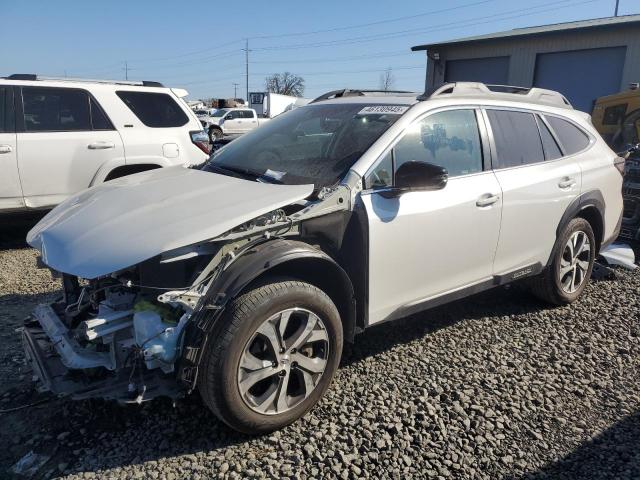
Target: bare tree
386 80
285 83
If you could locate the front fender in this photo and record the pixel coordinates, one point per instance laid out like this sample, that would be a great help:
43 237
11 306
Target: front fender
268 256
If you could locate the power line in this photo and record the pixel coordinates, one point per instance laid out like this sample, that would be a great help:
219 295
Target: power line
379 22
407 32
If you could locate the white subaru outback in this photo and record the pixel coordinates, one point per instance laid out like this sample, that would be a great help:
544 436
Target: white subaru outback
242 278
60 136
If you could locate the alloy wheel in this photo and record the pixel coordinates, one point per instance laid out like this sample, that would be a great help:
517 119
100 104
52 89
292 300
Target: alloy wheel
283 361
574 263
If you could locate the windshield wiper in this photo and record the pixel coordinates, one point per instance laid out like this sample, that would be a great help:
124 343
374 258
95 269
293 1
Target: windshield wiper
245 173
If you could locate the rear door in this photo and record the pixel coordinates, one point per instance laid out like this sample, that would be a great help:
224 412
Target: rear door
64 137
248 120
10 189
538 183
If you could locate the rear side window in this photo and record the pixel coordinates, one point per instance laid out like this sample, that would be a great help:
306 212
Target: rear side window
156 110
551 148
246 114
55 109
99 119
571 137
3 110
516 137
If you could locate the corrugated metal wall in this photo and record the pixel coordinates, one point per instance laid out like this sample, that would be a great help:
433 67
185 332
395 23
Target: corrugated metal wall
523 51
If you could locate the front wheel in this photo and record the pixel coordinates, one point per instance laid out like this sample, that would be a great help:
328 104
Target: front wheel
215 134
570 269
273 356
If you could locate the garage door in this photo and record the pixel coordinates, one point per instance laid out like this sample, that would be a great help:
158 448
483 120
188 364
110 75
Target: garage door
581 75
493 70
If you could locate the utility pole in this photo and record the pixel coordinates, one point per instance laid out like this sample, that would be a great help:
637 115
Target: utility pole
235 90
246 58
617 5
126 70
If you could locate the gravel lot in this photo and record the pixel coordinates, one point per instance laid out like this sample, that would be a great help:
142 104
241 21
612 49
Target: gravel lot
496 386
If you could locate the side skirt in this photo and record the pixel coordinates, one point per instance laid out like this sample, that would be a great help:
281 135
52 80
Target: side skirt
496 281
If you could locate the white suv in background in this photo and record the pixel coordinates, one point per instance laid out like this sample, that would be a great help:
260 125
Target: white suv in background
60 136
241 278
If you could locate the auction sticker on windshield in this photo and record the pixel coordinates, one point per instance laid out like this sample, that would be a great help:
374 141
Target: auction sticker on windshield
389 109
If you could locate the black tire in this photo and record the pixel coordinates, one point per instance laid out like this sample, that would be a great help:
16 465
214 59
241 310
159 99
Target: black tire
215 134
218 382
547 286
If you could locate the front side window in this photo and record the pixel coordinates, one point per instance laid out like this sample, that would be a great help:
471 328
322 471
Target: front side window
55 109
571 137
449 139
516 137
156 110
316 144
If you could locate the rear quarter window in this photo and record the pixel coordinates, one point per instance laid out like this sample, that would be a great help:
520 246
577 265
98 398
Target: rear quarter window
571 137
156 110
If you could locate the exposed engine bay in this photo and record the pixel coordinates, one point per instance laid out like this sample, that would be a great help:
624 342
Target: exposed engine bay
121 336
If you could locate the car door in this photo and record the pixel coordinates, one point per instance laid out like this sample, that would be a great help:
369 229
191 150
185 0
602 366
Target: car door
248 121
538 183
425 244
232 122
10 189
64 137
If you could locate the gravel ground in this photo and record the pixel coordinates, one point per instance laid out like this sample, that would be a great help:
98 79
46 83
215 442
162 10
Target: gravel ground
497 386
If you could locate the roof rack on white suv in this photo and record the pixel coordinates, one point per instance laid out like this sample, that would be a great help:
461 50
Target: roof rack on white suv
503 92
34 77
347 92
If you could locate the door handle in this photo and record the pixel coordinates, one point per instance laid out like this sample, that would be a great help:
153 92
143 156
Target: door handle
5 149
101 145
566 182
487 199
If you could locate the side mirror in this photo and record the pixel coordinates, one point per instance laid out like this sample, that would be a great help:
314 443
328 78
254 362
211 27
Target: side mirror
414 175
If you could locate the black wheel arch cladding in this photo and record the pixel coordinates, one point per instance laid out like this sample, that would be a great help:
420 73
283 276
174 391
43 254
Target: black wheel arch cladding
589 205
278 257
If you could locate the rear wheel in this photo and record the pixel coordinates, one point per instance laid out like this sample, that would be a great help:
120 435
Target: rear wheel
273 357
573 256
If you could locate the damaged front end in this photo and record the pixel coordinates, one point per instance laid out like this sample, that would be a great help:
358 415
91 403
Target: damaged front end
121 336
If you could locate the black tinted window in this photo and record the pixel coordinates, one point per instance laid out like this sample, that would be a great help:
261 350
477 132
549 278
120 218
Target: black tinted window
551 149
246 114
55 109
572 138
448 139
156 110
517 138
3 109
99 120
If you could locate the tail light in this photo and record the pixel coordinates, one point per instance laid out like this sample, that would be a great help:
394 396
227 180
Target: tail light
201 140
619 163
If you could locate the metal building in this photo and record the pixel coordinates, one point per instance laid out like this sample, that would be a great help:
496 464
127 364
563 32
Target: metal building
584 60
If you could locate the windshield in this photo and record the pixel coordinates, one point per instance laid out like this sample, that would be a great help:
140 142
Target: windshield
316 144
219 113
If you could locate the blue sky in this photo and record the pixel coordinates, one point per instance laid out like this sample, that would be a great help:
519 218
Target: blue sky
198 45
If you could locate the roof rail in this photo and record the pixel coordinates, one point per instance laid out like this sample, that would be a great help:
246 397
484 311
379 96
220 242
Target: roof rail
34 77
347 92
505 92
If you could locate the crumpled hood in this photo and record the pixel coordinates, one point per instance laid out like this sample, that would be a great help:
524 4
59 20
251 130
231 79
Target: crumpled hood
123 222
